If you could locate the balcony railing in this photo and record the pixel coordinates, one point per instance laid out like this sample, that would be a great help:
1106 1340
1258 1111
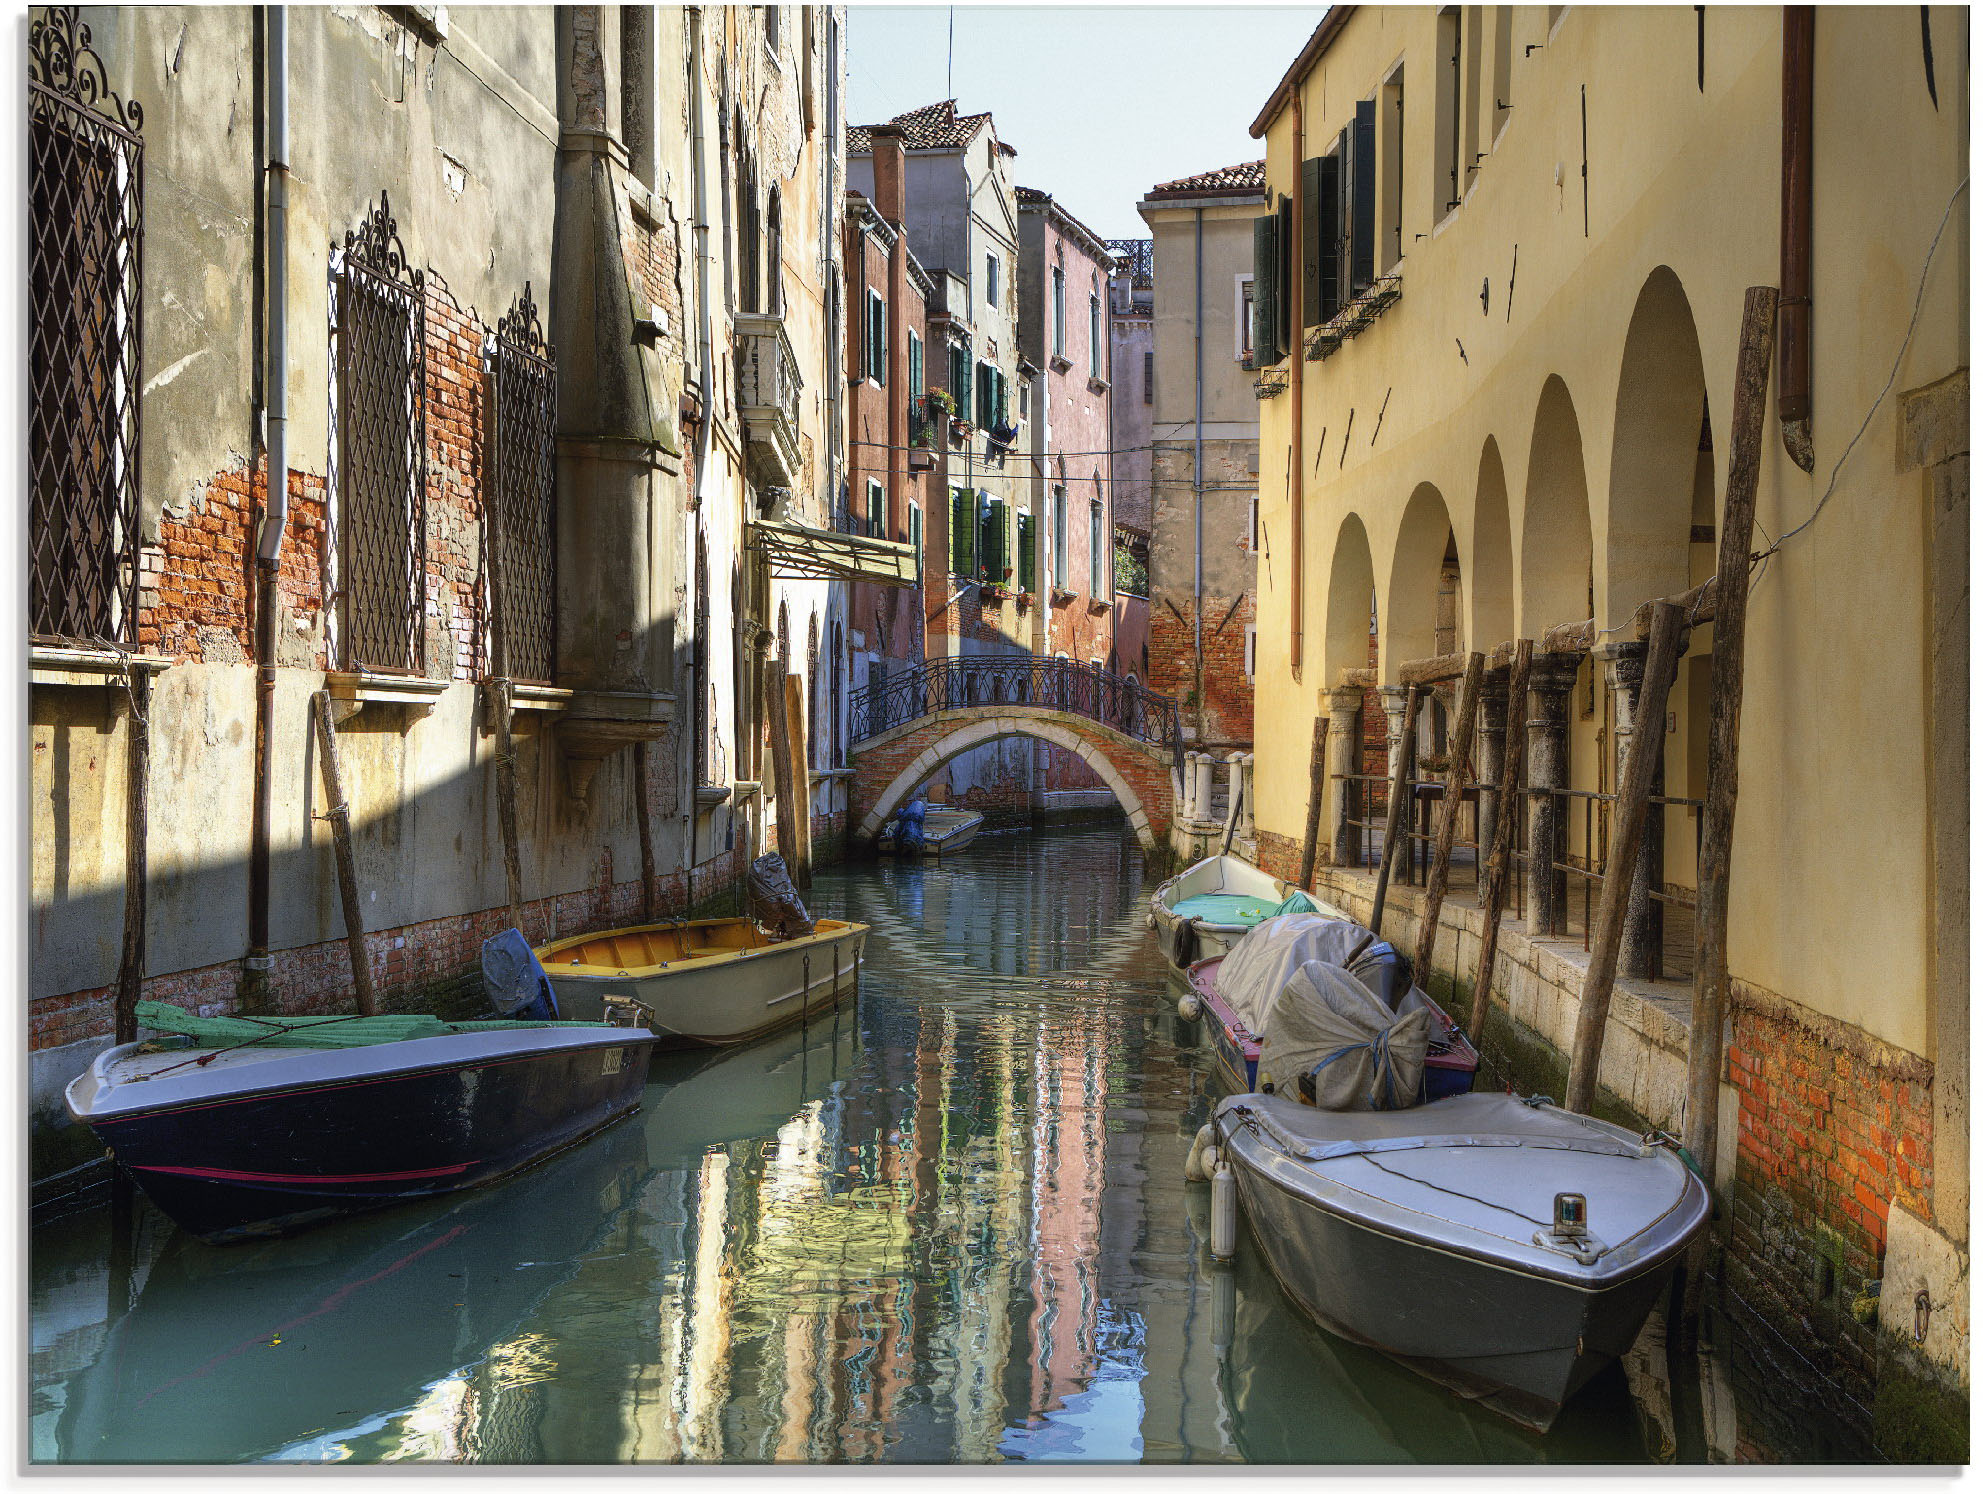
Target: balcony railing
768 386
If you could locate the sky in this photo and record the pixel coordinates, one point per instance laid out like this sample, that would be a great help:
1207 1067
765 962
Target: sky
1101 103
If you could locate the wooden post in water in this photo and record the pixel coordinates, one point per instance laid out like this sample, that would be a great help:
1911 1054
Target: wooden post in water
1318 786
1634 790
131 967
506 799
339 814
646 832
1503 854
1395 814
1458 746
796 734
1731 591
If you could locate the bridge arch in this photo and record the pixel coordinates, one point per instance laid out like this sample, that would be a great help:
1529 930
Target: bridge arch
1137 773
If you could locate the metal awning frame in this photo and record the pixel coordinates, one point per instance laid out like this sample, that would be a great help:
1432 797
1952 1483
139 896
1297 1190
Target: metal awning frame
797 552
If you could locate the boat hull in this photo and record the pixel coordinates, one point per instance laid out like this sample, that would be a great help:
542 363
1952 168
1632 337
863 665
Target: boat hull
279 1159
730 998
1214 874
945 833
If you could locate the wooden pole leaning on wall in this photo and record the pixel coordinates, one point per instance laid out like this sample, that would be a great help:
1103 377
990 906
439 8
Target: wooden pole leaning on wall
646 832
1318 788
795 718
1458 746
1628 825
1501 858
1704 1054
131 967
1395 812
501 708
785 790
339 815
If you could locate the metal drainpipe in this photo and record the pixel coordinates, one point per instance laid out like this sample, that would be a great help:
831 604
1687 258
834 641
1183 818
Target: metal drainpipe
269 551
705 438
1198 461
1793 406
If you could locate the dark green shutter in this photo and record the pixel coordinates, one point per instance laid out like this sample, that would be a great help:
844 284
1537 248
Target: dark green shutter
1328 233
960 381
1363 197
1287 313
963 532
1345 177
915 366
1266 282
991 541
1027 568
878 339
1312 244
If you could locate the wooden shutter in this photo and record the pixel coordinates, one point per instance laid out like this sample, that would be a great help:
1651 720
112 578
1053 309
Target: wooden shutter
960 381
991 540
1345 172
1027 568
878 338
1313 246
963 533
915 366
1287 309
1266 279
1328 236
1363 197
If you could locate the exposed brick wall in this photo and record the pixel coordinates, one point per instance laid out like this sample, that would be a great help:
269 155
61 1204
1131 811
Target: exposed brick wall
1833 1128
455 447
1228 692
424 966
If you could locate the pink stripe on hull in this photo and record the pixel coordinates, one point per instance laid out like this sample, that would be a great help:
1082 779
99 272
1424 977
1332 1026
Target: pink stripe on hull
229 1175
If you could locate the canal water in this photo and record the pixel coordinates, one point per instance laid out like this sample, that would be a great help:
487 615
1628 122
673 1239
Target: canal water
949 1225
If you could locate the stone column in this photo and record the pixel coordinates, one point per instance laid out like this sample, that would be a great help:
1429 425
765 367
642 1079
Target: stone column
1345 707
1202 793
1625 672
1490 735
1394 739
1551 678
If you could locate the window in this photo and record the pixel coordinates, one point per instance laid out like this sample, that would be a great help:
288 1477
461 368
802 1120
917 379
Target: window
1268 241
1243 319
963 533
1249 651
774 254
521 536
1504 45
1470 104
1028 564
1321 295
1098 552
1446 116
992 397
1059 312
877 515
916 385
637 89
1253 524
916 534
1356 149
1391 166
991 280
994 549
877 350
85 248
1149 377
960 379
1060 538
771 29
378 333
1096 346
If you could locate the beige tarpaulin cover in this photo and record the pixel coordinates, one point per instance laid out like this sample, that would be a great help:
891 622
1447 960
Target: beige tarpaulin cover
1363 1055
1265 960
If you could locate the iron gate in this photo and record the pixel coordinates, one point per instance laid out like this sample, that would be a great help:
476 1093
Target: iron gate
381 323
85 242
523 517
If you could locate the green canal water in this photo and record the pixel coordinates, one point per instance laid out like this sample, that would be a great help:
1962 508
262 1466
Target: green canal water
949 1226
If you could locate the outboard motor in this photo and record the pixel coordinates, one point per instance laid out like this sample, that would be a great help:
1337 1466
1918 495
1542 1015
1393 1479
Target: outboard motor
909 825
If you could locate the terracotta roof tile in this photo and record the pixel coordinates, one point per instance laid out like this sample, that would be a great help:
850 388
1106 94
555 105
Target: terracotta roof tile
933 127
1249 176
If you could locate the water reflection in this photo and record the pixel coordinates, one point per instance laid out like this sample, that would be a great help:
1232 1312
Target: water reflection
949 1225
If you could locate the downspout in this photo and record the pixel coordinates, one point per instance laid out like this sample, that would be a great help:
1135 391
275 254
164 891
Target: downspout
1295 279
1793 405
275 386
1198 461
705 438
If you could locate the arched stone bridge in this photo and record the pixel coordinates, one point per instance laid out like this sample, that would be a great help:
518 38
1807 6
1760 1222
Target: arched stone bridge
942 708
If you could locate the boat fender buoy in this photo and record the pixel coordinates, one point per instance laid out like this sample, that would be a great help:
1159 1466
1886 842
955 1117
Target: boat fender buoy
1194 1164
1225 1211
1189 1007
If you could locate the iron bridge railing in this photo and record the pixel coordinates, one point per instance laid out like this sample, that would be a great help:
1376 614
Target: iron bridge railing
1126 705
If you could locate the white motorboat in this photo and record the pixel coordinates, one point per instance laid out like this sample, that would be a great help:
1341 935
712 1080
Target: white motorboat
945 833
1204 910
1503 1247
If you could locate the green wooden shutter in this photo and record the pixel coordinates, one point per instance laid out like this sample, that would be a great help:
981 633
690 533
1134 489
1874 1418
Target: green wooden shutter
1311 242
915 366
1328 234
1027 568
1363 197
991 541
878 338
960 381
1266 290
963 533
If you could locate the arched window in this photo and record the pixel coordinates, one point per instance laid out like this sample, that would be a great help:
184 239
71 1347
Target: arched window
837 668
1059 311
1094 326
774 258
812 683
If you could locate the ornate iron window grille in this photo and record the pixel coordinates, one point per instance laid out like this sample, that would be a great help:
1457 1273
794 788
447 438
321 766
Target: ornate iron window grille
85 248
379 325
522 533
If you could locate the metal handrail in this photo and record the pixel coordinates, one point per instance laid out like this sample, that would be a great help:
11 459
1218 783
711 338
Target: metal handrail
1123 704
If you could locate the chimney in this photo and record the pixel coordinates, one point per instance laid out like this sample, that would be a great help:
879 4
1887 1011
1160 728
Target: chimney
889 195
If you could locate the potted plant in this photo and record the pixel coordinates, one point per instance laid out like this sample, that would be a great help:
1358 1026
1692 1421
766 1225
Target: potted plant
1023 598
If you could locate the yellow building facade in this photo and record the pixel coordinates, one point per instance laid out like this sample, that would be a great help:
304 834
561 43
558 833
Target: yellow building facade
1506 406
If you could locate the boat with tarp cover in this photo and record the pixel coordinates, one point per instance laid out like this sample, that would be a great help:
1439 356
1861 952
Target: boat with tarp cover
1208 907
241 1126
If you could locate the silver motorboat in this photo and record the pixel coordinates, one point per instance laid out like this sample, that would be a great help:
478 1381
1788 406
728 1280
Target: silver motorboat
1503 1247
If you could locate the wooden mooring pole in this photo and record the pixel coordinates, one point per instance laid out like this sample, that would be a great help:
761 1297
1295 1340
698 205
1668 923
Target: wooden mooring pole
646 832
339 815
1457 746
1318 785
1503 854
1394 813
1704 1054
796 734
131 967
787 792
1628 824
499 703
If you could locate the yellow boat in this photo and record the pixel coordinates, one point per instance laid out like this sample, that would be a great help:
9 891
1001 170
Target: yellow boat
710 980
